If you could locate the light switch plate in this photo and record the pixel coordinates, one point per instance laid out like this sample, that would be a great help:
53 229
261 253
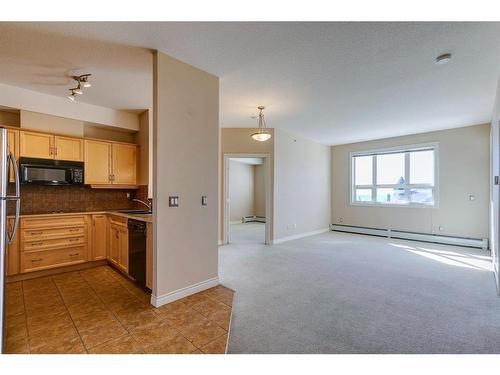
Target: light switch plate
173 201
204 200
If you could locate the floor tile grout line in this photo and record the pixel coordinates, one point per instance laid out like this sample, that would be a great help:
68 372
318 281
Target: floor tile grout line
67 310
25 317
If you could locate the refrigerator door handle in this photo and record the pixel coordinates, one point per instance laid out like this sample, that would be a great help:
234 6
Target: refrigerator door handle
17 197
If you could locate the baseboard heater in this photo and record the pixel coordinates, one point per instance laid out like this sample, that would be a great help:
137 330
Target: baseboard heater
481 243
253 218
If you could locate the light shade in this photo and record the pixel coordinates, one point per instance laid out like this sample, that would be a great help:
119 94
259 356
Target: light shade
71 97
261 134
261 137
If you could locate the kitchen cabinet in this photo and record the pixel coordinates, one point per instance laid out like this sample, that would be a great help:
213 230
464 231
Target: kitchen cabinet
118 242
12 257
49 146
109 164
99 236
52 241
97 162
124 165
67 148
13 146
36 145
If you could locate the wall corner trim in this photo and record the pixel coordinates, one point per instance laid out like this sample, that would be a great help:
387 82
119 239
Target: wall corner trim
158 301
300 235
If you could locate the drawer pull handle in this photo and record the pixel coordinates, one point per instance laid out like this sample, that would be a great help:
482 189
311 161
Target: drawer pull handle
37 243
74 239
36 260
36 233
73 255
74 230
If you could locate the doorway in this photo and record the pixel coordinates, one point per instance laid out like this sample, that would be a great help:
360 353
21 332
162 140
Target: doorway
247 214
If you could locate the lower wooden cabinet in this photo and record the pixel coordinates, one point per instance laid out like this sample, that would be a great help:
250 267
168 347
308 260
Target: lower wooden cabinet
118 242
53 241
99 244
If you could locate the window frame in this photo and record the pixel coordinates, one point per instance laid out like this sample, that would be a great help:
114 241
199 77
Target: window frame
406 149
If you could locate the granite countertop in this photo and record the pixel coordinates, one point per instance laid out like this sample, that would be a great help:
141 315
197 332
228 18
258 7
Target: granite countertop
142 217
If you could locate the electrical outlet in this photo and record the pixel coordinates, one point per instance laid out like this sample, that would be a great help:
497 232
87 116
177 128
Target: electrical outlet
128 195
340 219
204 200
472 197
441 228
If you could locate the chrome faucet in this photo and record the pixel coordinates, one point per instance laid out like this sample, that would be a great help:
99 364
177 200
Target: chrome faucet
148 204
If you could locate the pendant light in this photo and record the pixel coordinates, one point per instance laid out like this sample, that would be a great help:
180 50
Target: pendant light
262 133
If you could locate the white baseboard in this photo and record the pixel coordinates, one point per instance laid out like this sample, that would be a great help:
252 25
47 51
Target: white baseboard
221 242
300 235
481 243
158 301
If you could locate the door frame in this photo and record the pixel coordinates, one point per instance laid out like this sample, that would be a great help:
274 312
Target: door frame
267 193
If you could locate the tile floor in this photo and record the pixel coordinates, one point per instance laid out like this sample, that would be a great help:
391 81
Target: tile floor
99 311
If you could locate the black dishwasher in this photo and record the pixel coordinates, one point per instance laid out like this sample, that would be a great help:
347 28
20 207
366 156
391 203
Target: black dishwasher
137 233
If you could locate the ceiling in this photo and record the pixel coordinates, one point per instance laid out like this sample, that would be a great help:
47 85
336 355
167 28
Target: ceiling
335 83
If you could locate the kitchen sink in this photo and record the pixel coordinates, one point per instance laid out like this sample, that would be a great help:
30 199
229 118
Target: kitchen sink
137 212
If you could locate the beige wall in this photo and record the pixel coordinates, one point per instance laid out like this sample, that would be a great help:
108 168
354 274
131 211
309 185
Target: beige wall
110 134
259 197
185 154
301 186
52 124
19 98
463 169
241 190
238 141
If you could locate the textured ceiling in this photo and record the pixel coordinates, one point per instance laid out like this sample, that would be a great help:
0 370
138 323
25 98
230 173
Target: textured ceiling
331 82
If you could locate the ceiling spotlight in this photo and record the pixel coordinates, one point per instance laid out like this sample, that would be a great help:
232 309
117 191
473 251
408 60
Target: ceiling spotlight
443 59
84 80
72 96
262 133
77 90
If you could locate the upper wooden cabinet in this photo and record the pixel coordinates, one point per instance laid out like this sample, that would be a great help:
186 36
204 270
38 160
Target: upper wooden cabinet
49 146
124 165
67 148
97 162
108 163
37 145
13 146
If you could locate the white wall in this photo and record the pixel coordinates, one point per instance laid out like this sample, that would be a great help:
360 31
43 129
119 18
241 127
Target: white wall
241 190
301 186
185 163
463 169
495 189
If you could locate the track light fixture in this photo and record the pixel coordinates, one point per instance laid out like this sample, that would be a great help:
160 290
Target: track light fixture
82 81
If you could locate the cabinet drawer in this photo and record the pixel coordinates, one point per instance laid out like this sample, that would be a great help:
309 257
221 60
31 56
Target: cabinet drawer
118 220
53 233
39 260
50 244
50 222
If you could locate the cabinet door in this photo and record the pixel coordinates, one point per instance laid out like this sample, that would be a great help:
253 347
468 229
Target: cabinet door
124 164
13 146
114 244
67 148
123 254
36 145
13 259
97 162
99 234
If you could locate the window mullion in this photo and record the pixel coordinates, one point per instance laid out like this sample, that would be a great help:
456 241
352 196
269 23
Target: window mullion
374 178
407 176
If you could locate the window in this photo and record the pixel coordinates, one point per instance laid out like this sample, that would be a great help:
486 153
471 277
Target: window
403 176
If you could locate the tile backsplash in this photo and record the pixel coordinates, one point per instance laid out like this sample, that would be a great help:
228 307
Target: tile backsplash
47 199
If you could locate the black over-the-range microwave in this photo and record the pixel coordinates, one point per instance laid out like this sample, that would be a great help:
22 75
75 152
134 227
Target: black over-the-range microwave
50 172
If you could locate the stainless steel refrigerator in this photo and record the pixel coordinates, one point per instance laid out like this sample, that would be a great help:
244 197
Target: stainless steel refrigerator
6 234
